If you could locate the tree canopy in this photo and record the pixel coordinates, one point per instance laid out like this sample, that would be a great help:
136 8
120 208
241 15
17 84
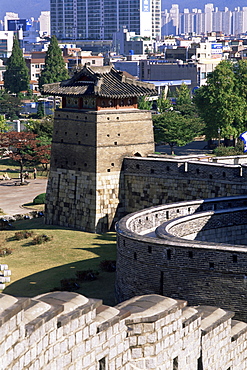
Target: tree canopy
4 127
174 129
42 128
25 149
16 77
222 101
10 105
144 103
55 69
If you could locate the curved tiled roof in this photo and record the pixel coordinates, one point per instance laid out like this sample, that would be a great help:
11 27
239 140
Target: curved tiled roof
100 81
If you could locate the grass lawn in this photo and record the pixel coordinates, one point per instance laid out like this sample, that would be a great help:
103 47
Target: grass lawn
38 269
13 169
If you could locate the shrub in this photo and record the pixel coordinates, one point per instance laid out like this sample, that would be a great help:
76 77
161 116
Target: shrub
19 235
108 265
40 199
222 151
5 252
87 275
69 284
40 239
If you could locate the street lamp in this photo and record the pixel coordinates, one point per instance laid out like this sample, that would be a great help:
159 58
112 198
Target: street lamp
219 136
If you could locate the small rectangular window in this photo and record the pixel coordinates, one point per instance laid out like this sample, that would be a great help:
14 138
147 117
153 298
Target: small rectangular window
234 258
175 363
102 364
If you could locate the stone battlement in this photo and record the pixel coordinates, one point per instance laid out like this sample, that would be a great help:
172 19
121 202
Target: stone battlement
63 330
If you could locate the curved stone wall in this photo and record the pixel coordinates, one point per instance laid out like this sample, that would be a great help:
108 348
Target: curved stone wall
222 226
201 272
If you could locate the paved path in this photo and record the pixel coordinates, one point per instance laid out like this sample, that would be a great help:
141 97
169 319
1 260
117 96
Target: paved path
196 147
13 197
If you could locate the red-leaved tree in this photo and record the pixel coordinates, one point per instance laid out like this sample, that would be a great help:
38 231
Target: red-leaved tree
24 148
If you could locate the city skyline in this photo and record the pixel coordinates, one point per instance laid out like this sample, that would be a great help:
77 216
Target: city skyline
33 8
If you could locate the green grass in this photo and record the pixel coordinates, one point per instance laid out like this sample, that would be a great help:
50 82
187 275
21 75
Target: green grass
13 169
33 207
38 269
9 166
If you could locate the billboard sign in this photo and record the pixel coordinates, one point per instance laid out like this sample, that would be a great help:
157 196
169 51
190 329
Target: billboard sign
18 24
216 48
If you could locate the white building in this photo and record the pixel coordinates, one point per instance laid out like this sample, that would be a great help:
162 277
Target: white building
44 24
8 16
208 11
6 43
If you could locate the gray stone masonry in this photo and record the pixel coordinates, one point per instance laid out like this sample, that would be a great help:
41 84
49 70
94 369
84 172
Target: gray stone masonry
65 330
84 189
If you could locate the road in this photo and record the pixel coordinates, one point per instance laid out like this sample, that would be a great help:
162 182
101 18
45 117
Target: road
13 197
194 148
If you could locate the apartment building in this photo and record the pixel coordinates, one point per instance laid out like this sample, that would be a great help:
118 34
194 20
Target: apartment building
98 20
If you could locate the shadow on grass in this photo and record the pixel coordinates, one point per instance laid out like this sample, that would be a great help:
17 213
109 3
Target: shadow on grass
45 281
48 280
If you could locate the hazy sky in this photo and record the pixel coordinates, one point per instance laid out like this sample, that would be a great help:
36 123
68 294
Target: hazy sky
25 8
32 8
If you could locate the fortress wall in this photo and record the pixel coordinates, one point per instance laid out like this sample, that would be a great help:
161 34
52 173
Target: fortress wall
153 181
199 272
72 199
231 159
215 227
64 330
238 345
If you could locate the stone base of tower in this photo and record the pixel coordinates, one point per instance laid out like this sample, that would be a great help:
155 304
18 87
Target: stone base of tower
72 201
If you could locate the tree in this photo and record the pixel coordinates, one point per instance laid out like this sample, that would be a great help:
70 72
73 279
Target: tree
183 95
25 148
4 127
55 69
222 102
144 103
42 128
10 105
163 104
174 129
40 110
184 103
16 77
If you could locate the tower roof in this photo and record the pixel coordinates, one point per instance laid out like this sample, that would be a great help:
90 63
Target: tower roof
100 81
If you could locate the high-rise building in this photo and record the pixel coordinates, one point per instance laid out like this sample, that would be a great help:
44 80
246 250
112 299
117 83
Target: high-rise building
44 23
208 10
9 15
226 21
99 19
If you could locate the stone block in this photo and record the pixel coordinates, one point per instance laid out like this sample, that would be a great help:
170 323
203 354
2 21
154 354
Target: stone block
136 353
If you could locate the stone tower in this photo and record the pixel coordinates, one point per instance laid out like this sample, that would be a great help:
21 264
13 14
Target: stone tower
98 125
